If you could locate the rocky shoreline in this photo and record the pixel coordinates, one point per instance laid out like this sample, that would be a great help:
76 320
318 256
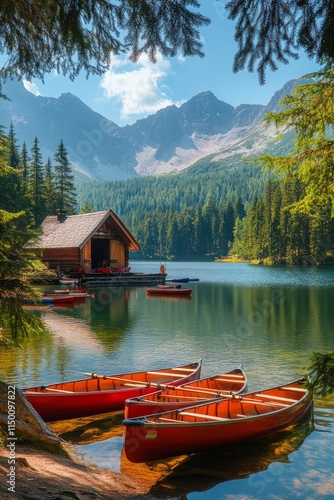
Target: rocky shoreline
36 464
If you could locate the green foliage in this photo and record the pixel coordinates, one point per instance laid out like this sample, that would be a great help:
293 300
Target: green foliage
26 186
320 376
297 216
309 110
14 288
39 37
69 37
270 32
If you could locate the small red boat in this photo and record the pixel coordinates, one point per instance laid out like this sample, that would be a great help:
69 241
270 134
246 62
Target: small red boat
57 299
182 396
168 291
101 393
222 422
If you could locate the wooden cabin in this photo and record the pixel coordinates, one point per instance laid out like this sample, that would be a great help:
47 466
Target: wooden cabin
85 242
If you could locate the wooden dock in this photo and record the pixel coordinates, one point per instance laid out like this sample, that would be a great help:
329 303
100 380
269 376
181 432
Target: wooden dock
122 279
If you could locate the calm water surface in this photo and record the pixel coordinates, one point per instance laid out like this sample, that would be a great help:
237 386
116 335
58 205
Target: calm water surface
269 319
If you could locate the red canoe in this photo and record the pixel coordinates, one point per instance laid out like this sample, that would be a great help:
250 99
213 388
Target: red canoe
102 394
219 423
202 390
168 291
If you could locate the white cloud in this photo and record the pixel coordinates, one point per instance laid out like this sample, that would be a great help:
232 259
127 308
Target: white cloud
31 87
138 87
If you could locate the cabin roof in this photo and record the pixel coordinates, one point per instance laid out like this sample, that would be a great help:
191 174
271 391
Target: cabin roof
73 231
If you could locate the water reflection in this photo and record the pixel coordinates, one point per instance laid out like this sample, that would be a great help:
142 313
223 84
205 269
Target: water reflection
269 319
100 440
202 471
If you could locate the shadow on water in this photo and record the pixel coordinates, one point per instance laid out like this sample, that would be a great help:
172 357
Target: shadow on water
87 430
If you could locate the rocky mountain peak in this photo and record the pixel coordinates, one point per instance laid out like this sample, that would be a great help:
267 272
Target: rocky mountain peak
172 139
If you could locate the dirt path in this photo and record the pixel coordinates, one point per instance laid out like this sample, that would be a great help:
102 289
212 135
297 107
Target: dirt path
40 475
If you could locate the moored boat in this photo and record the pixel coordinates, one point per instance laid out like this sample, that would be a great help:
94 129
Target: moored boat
221 422
50 300
57 299
182 396
68 281
168 291
103 393
164 287
68 293
181 280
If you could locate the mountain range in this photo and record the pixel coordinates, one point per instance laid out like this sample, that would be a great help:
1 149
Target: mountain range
171 140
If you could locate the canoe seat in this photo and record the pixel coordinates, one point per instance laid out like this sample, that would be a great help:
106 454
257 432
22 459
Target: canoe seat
56 390
227 380
279 398
199 415
297 389
263 403
165 374
183 369
169 420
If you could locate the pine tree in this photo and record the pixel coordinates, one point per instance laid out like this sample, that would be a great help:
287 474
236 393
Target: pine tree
14 262
36 185
50 199
227 227
254 244
65 192
14 157
11 189
208 225
272 212
24 162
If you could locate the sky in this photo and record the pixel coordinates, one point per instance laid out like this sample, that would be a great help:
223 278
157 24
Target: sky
130 91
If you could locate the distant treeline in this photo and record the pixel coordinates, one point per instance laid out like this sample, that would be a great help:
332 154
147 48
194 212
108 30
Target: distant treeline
275 231
179 216
241 212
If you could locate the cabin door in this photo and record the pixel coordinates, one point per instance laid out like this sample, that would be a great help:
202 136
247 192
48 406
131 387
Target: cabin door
100 253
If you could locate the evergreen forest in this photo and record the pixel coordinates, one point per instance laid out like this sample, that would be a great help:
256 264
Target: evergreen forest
244 213
204 212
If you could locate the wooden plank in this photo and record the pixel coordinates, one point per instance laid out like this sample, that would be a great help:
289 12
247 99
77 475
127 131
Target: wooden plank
279 398
264 403
206 417
297 389
184 369
227 380
185 397
165 374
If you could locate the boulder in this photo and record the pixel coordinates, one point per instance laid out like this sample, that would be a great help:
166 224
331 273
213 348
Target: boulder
20 421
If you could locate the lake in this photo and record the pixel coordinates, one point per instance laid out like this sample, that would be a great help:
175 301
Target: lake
270 319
